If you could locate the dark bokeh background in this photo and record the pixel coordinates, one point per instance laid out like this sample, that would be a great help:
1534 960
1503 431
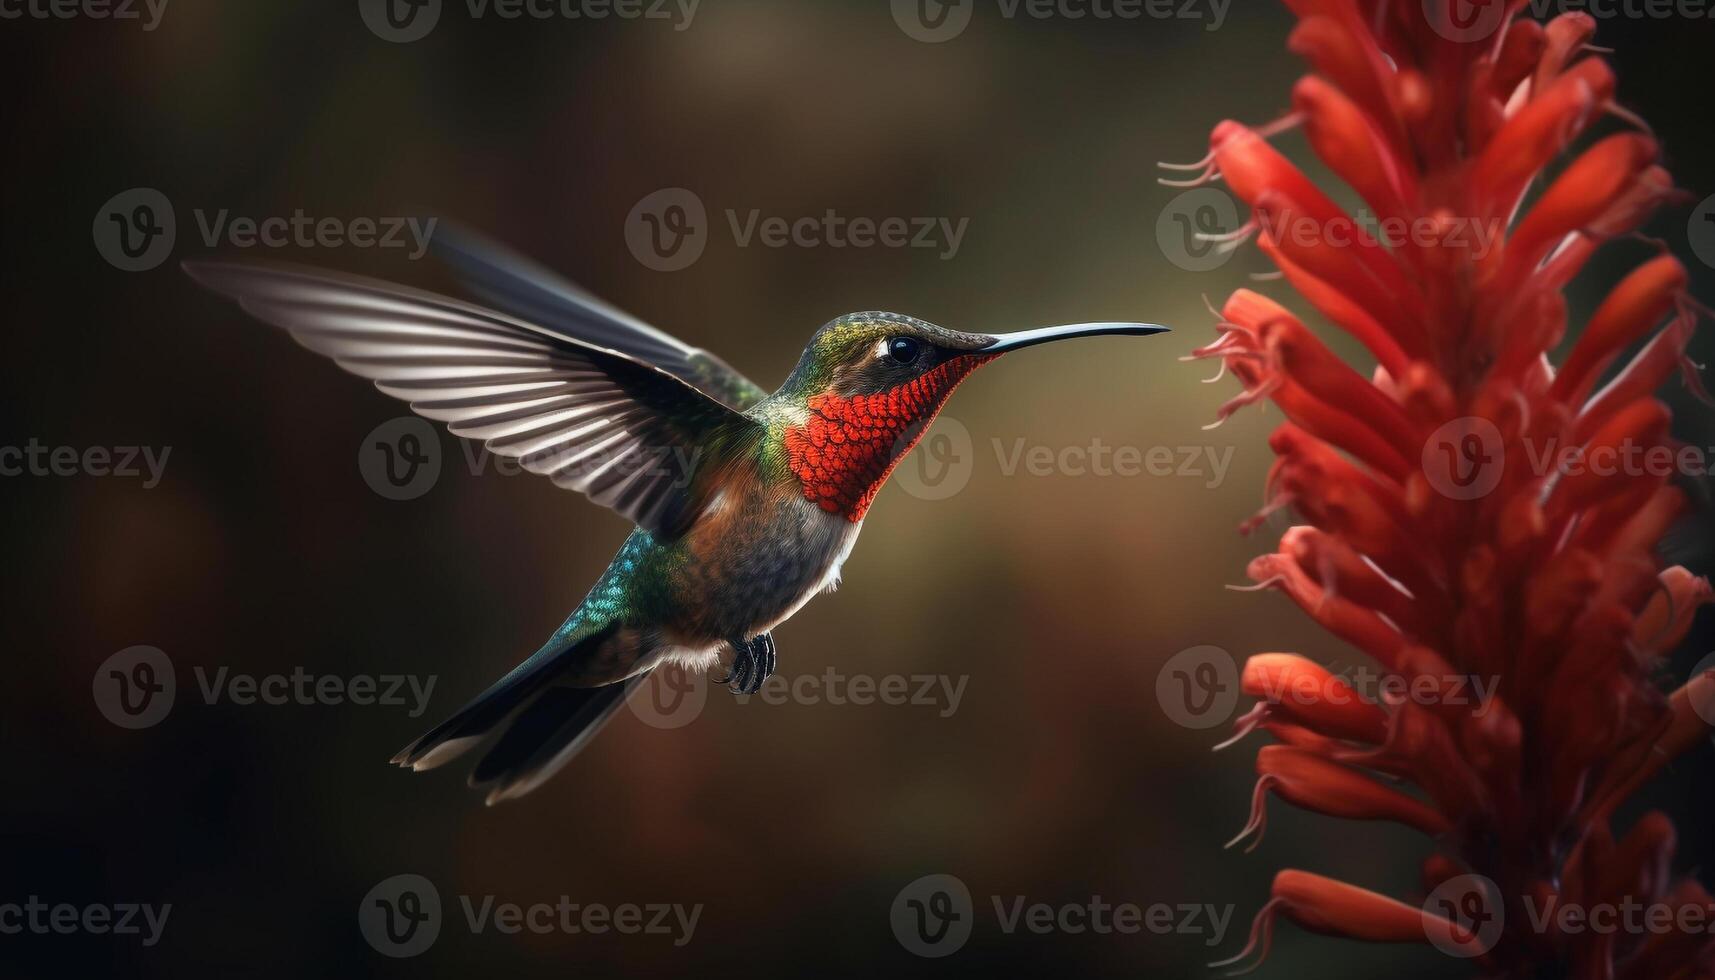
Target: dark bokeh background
1059 778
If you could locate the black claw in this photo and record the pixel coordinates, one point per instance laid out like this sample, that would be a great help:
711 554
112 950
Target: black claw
739 676
753 663
768 657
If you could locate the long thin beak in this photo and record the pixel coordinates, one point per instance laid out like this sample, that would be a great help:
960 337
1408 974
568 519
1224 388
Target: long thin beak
1042 335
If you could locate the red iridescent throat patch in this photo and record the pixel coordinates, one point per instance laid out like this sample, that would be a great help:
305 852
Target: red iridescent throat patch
847 448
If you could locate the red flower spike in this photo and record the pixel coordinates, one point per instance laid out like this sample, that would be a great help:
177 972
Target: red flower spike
1353 67
1578 198
1298 736
1346 619
1667 618
1541 131
1305 693
1323 468
1334 908
1470 514
1676 954
1520 56
1341 429
1564 37
1343 311
1653 365
1299 355
1637 304
1683 727
1640 528
1342 571
1340 132
1420 748
1308 779
1641 867
1640 426
1301 235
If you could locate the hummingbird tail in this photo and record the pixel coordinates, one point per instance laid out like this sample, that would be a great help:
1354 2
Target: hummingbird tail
543 737
536 726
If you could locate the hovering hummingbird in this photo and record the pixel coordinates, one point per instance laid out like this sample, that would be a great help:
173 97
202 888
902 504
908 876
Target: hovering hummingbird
746 503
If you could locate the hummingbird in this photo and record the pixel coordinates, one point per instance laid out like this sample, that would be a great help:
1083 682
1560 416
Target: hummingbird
745 503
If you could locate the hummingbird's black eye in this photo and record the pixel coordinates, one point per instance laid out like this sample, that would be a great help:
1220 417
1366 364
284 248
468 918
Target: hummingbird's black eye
904 350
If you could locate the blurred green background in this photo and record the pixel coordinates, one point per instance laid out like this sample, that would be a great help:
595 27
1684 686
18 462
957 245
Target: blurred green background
1059 596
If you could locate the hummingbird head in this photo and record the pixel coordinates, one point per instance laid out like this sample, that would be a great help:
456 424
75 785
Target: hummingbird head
869 384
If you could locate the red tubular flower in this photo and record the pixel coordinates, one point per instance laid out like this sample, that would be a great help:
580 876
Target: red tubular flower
1335 908
1480 522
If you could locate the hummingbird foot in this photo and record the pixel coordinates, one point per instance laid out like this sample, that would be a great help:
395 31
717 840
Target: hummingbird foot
753 663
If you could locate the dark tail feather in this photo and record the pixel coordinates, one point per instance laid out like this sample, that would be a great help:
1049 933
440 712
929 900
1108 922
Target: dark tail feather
540 726
545 736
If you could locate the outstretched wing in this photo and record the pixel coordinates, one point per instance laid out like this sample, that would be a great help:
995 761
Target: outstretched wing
510 282
629 435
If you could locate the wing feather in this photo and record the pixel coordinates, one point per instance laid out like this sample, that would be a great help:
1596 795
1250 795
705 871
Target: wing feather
629 434
508 281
